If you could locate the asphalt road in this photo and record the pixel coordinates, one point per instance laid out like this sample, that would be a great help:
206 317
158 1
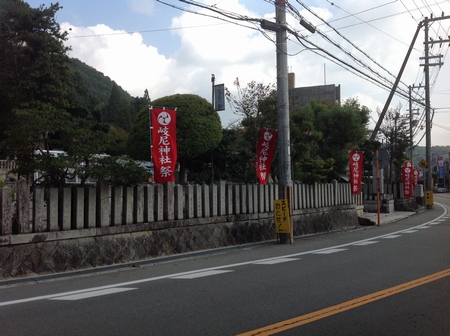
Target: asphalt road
388 280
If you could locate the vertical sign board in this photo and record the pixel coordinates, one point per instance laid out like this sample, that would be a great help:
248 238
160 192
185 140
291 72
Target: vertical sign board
356 171
408 178
429 200
282 222
219 97
164 149
265 151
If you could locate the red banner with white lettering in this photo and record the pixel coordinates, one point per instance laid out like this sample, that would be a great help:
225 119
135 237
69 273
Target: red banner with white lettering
266 150
416 176
408 179
356 171
164 144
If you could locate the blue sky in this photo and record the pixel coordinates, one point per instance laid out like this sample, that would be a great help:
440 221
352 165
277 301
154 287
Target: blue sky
173 51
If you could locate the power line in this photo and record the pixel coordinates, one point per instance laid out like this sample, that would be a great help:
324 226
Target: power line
147 31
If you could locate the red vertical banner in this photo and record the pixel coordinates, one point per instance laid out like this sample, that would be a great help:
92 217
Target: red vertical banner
164 144
416 177
356 171
408 178
265 151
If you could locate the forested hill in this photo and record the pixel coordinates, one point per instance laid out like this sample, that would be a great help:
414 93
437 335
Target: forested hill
97 83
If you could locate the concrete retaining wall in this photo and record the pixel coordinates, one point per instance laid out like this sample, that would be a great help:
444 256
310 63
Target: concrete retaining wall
59 251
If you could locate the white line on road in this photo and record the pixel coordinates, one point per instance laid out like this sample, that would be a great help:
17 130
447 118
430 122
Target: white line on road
391 236
329 251
366 243
92 294
200 274
275 261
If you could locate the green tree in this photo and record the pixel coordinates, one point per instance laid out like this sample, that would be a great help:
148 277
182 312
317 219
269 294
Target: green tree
395 133
198 129
33 61
119 111
43 105
256 103
337 128
118 171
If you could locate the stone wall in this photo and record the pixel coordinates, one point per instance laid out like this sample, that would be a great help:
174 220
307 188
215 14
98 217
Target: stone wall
60 251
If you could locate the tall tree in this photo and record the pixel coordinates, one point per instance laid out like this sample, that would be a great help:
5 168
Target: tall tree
33 64
256 103
326 131
395 133
119 111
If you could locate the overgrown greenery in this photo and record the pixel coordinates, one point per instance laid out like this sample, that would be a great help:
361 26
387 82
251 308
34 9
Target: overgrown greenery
45 106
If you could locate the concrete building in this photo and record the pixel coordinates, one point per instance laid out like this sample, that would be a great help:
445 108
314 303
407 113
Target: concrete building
301 96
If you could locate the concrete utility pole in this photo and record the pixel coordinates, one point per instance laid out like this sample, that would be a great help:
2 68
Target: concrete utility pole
284 143
428 184
394 87
428 42
411 120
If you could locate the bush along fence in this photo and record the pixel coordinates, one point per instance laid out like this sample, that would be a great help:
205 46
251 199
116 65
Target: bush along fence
53 230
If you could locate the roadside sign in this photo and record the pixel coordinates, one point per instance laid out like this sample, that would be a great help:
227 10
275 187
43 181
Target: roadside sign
423 163
429 198
219 97
282 222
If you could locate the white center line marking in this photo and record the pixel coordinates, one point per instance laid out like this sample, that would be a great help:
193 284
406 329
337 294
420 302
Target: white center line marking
275 261
410 231
92 294
329 251
391 236
199 274
366 243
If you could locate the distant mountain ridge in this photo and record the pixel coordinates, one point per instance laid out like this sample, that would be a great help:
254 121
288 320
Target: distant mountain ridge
98 84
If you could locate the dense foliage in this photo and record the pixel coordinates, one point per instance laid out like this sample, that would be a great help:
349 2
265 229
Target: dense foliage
44 105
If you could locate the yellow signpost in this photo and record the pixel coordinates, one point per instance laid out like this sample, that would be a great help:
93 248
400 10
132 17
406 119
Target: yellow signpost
429 199
282 216
423 164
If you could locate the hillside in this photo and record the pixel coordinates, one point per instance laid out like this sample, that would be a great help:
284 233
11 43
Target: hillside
420 152
97 83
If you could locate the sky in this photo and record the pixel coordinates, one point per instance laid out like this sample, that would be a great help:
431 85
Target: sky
172 46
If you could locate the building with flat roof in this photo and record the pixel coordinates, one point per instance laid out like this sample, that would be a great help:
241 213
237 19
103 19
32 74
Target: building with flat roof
301 96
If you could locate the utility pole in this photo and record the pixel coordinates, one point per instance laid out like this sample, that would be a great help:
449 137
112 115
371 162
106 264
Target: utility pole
394 87
411 120
410 126
284 142
429 42
428 186
284 162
